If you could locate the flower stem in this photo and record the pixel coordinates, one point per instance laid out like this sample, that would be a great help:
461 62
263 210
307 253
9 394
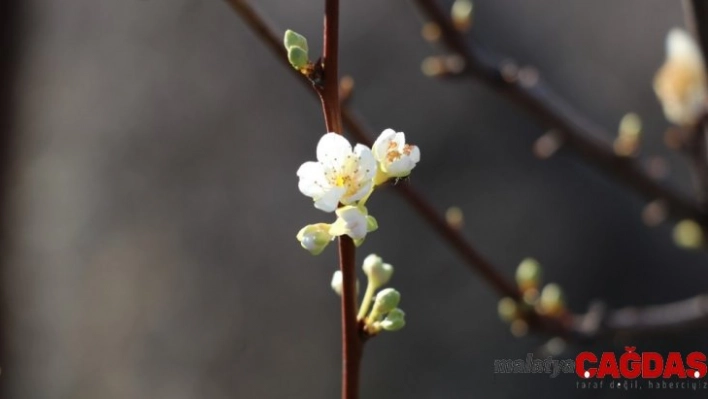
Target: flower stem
366 302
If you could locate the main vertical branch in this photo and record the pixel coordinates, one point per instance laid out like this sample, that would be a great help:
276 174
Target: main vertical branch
351 342
329 95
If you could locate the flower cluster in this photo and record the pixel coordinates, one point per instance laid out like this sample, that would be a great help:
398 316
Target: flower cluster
548 302
342 180
378 311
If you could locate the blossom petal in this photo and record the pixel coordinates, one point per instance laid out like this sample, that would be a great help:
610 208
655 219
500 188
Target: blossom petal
361 193
380 147
680 45
400 140
330 199
367 163
312 179
332 149
415 154
351 221
401 167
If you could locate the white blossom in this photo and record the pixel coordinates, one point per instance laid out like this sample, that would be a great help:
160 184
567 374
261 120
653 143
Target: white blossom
395 158
680 84
353 222
340 175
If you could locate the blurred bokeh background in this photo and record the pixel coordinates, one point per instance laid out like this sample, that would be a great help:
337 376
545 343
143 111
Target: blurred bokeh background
152 201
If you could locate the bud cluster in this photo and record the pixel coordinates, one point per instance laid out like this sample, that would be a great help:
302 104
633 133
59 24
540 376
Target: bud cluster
548 302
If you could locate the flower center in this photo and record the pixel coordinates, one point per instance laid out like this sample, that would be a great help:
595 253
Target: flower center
393 153
342 180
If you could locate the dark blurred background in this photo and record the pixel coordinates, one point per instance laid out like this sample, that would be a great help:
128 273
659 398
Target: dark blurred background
153 202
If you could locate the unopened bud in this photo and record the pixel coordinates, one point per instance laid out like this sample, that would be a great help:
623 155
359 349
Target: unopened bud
298 57
394 321
315 237
462 14
379 273
296 44
551 301
294 39
688 234
508 311
528 274
337 283
628 139
386 300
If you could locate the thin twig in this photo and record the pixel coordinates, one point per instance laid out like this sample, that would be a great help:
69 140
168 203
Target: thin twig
525 88
596 323
698 157
650 320
696 17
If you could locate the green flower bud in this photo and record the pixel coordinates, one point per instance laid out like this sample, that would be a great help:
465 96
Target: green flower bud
508 310
528 274
386 300
298 57
551 301
462 14
315 237
337 282
394 321
294 39
379 273
371 224
688 234
371 262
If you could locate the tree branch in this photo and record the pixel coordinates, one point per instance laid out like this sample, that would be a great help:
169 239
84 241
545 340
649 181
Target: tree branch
696 17
650 320
329 96
12 25
328 92
330 59
525 88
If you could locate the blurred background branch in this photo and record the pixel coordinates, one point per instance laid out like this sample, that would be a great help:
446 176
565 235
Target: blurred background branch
524 86
669 318
11 30
696 18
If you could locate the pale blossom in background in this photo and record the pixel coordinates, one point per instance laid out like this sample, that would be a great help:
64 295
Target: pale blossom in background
680 83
